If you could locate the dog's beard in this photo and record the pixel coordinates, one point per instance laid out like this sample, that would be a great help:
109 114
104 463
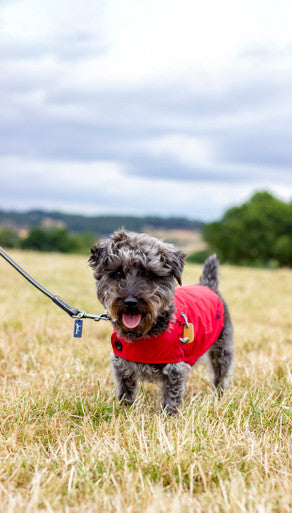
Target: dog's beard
140 321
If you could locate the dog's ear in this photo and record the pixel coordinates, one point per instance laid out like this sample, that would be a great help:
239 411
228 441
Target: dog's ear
177 265
98 252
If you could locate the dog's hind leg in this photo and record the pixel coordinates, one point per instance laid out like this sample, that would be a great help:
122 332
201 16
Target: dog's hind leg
221 356
174 385
126 380
221 364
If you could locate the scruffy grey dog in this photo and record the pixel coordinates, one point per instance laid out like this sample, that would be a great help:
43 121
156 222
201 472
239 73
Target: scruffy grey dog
135 281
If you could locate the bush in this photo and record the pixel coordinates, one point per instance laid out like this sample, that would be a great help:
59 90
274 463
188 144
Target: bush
9 238
283 249
85 241
58 239
199 257
258 232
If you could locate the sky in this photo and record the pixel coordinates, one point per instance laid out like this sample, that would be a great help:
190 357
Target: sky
149 107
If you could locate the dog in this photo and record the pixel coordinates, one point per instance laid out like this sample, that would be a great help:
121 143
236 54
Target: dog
160 331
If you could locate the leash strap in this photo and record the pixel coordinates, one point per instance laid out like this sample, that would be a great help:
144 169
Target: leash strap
56 299
70 310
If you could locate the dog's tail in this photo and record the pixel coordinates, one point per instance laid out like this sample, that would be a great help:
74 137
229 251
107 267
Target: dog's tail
210 276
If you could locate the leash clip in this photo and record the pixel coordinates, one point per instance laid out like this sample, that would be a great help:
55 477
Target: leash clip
78 323
100 317
103 317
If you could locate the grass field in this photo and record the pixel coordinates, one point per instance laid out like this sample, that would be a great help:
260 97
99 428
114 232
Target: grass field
67 446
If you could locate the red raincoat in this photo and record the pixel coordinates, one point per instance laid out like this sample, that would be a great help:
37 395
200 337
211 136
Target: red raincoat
203 309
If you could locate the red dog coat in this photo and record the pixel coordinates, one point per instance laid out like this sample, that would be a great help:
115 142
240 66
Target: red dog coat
203 309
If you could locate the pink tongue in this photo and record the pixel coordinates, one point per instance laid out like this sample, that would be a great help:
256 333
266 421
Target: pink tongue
131 320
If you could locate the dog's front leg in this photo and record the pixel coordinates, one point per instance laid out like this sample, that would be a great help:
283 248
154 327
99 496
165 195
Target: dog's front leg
125 378
175 376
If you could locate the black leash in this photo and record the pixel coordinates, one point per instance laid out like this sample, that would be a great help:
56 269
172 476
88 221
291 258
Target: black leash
74 312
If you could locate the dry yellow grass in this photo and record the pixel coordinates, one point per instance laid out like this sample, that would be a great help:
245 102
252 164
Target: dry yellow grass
67 446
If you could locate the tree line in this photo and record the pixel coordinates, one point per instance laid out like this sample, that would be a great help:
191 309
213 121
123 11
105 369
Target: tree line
42 239
100 225
257 233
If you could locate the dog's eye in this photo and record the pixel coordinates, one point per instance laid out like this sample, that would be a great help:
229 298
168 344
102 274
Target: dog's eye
119 273
152 276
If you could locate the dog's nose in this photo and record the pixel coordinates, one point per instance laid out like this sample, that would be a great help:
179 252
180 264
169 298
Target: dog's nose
130 302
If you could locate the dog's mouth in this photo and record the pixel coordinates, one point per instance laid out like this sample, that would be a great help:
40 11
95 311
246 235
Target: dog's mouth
131 320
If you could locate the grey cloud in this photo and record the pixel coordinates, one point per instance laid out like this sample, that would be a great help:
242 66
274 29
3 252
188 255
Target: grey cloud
262 148
264 52
167 168
64 140
111 124
180 100
40 193
67 47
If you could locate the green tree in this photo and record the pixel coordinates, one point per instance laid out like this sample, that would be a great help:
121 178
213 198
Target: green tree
57 239
62 241
257 232
198 257
85 241
37 239
9 238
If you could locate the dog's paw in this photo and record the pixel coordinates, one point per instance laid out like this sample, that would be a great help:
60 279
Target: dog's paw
125 400
168 409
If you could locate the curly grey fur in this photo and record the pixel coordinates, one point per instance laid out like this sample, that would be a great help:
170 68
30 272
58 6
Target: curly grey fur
210 276
140 270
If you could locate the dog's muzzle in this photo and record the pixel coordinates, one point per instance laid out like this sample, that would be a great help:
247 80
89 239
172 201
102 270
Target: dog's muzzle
131 317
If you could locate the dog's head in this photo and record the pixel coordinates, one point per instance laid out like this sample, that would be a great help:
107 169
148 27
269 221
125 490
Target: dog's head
135 276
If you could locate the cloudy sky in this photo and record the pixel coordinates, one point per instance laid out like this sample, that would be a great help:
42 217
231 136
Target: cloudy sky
169 107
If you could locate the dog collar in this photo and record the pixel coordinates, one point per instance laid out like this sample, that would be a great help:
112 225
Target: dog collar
199 319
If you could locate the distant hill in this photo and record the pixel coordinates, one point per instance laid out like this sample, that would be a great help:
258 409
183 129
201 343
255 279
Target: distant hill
99 225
